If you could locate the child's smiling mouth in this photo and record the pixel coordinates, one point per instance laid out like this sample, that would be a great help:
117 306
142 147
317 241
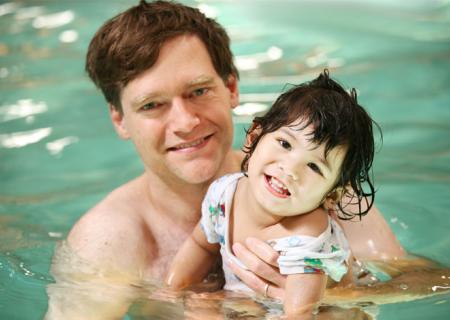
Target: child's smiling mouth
276 187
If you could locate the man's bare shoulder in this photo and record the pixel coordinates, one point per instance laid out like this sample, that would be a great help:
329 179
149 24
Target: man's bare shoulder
109 233
236 157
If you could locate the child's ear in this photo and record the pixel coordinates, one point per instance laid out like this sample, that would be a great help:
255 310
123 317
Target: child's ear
252 134
333 198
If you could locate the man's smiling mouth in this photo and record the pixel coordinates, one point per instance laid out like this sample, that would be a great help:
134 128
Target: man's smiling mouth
192 144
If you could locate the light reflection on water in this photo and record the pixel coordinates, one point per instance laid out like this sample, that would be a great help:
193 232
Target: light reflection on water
59 155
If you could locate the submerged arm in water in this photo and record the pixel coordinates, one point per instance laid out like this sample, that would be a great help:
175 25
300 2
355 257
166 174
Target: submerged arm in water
82 291
412 278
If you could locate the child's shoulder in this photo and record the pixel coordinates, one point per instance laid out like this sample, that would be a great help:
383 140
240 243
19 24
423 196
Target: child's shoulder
226 180
219 187
311 224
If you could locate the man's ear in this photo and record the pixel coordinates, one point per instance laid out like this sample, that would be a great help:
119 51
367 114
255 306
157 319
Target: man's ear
118 122
232 85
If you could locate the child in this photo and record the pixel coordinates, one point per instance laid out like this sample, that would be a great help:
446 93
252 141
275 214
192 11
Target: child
314 145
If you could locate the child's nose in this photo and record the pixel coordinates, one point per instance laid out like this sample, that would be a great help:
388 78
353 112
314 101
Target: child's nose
292 174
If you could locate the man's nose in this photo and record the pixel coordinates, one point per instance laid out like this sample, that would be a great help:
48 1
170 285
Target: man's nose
183 116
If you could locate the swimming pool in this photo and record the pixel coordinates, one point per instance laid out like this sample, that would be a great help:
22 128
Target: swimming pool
59 154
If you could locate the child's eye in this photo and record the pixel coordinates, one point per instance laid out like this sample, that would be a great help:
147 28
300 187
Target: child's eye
315 168
284 144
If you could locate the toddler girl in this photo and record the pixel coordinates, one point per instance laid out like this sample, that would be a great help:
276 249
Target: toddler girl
314 145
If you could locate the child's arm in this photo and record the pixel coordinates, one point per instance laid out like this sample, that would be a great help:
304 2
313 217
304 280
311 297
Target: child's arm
303 292
193 261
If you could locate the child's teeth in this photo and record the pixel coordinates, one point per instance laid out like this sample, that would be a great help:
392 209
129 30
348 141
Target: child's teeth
277 185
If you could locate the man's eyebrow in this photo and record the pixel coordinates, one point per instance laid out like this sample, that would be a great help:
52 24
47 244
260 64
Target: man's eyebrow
145 98
201 80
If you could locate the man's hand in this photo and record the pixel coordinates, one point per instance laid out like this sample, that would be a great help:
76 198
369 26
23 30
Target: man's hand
262 275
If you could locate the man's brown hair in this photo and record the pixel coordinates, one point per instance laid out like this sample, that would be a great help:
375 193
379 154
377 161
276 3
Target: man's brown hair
128 44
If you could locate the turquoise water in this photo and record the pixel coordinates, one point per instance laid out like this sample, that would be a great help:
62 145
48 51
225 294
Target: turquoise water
59 154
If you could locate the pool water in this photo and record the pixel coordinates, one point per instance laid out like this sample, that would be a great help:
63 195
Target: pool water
59 154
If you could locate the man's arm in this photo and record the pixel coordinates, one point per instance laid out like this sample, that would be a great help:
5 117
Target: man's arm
371 238
95 268
193 261
83 291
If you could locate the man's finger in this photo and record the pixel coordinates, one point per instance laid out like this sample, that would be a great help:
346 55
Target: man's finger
254 282
262 250
259 267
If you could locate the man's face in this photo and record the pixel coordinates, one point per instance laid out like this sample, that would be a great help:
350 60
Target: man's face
178 114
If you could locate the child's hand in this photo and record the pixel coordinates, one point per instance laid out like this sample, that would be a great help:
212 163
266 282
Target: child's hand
261 262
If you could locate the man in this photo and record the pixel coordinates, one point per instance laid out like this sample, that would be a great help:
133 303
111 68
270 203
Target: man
167 74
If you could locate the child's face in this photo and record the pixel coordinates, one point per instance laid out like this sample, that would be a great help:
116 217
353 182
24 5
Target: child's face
290 175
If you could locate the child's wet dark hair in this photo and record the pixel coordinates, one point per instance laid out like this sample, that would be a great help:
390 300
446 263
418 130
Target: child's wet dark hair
338 120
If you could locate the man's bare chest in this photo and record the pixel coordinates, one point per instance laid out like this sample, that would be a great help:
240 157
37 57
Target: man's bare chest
162 250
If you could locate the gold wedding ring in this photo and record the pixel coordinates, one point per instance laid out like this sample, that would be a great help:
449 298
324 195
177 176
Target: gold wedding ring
266 289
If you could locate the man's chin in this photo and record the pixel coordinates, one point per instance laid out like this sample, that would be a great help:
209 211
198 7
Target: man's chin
198 174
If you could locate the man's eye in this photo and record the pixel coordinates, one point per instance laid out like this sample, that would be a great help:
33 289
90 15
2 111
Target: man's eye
149 106
284 144
199 92
315 168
